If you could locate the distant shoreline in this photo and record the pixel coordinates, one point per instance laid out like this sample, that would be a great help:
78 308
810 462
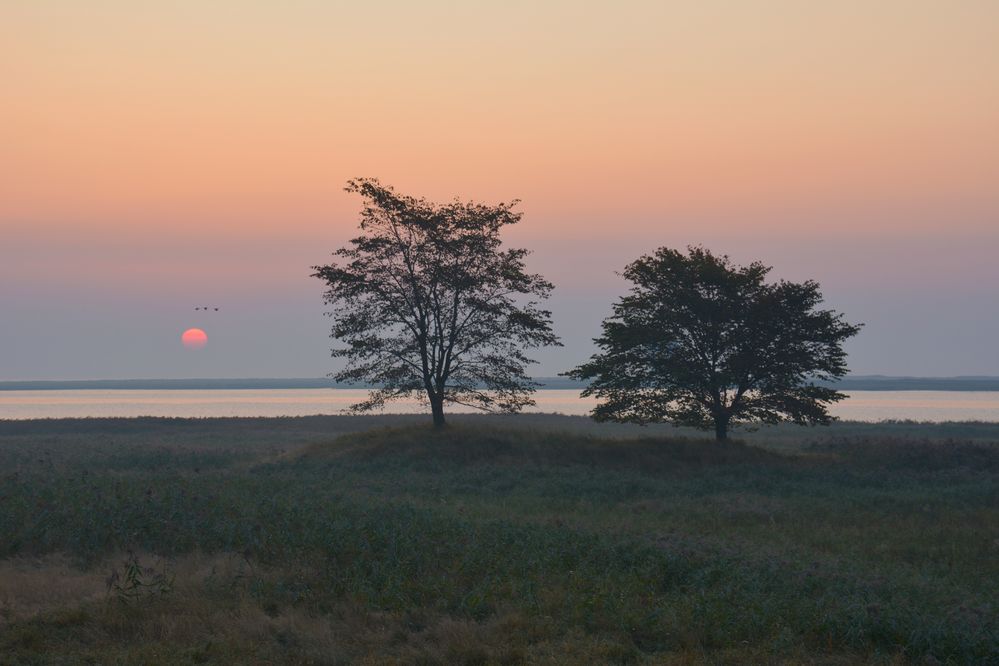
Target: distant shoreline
856 383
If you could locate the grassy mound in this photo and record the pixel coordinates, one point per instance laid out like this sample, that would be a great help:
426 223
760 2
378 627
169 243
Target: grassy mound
469 444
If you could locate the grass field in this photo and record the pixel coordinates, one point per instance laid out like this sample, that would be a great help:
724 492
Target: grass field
507 540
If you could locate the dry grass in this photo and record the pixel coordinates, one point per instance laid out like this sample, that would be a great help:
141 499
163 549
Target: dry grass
211 617
32 586
51 607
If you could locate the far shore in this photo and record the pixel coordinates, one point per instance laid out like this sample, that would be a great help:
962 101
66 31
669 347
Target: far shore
853 383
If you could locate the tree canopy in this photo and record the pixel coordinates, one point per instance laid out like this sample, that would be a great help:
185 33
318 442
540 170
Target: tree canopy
702 342
426 302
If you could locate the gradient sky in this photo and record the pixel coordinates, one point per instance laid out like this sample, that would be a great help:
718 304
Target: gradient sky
155 157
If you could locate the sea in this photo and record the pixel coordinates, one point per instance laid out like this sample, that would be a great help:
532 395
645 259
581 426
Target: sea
873 406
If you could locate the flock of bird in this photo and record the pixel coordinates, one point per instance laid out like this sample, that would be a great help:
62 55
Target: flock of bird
206 308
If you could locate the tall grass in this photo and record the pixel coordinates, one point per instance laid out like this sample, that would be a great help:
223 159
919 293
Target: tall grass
490 543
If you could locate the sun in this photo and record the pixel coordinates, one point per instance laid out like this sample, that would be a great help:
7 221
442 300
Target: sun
194 338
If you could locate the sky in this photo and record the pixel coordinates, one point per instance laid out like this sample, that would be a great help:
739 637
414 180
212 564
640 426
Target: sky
157 157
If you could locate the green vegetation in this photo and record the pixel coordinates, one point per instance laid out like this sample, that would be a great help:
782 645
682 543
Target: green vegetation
524 539
426 302
699 341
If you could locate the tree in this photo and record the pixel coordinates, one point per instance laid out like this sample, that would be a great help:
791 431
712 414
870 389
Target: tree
702 342
426 302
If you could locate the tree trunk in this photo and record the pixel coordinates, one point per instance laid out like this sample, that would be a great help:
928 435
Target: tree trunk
721 428
437 406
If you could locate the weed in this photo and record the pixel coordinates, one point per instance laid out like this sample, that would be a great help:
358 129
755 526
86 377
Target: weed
132 582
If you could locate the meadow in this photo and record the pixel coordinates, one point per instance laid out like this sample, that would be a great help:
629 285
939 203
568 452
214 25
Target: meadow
500 540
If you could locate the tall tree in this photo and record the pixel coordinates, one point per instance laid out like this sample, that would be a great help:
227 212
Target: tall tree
427 302
702 342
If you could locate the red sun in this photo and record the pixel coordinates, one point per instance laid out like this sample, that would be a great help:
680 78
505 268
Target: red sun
194 338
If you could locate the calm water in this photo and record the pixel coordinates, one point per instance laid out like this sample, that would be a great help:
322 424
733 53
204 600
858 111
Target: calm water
860 406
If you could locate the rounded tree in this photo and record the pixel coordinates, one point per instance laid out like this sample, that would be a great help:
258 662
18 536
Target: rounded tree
702 342
427 302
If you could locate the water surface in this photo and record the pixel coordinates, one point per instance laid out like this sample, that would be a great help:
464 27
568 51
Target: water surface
859 406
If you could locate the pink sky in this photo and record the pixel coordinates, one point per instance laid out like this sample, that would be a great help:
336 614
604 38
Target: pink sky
153 157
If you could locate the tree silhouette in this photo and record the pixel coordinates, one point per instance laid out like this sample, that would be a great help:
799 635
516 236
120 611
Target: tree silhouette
426 302
704 343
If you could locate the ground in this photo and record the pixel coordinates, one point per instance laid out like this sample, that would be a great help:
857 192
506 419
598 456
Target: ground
533 539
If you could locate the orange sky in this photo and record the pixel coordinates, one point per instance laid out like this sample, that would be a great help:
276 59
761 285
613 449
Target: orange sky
183 141
196 110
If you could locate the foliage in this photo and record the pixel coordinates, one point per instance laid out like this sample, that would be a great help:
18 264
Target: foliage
134 582
704 343
425 301
533 547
